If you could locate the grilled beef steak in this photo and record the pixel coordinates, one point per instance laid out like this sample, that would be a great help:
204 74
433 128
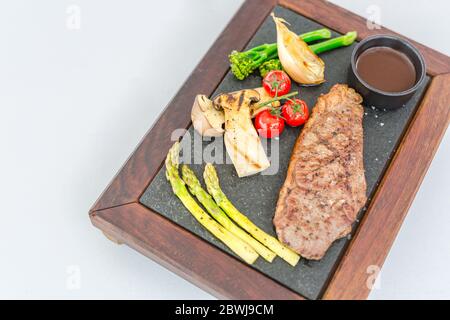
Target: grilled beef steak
325 187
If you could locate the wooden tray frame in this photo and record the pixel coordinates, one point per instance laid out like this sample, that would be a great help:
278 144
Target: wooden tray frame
123 219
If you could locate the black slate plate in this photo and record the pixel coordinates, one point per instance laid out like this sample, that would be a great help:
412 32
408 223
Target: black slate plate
256 196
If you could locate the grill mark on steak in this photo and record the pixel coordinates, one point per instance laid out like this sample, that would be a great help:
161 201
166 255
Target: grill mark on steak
325 185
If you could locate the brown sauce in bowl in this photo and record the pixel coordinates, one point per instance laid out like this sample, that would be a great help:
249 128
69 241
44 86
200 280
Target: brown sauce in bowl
386 69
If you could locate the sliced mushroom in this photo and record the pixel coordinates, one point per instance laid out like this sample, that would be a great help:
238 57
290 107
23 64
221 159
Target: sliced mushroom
207 120
241 139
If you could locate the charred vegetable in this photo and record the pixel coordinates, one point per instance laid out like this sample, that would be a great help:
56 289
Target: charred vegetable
205 118
238 246
298 60
209 121
241 139
213 186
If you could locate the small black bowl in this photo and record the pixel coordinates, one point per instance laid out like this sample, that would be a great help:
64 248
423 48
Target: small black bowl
378 98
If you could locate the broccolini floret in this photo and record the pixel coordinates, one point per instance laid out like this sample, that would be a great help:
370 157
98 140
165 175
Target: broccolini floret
270 65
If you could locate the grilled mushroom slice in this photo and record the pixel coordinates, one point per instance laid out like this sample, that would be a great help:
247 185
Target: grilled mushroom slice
207 120
241 139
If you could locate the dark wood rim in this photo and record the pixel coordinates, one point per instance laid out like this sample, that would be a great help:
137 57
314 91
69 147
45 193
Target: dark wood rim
175 248
118 213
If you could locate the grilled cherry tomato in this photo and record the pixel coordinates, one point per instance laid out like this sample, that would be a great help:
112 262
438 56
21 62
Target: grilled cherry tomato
295 112
277 83
268 125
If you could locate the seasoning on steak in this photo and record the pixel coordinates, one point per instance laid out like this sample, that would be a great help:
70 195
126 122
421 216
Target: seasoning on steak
325 187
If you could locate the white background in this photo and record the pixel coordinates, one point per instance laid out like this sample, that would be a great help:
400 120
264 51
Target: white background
75 103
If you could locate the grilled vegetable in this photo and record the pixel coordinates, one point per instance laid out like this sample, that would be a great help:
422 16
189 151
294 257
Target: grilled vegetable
213 186
244 63
205 118
208 121
214 210
298 60
270 65
241 139
238 246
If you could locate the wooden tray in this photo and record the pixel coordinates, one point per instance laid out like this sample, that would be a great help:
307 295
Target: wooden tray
257 195
120 215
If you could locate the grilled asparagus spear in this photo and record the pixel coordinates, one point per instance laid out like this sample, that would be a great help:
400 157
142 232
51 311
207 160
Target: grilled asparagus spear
205 199
238 246
212 184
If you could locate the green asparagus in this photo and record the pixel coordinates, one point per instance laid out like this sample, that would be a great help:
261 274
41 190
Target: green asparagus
205 199
213 186
239 247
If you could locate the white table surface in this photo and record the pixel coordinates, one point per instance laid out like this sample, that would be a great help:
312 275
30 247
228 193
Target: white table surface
76 101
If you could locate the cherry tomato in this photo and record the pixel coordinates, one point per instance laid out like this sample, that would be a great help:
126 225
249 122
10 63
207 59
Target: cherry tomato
268 125
277 83
295 112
